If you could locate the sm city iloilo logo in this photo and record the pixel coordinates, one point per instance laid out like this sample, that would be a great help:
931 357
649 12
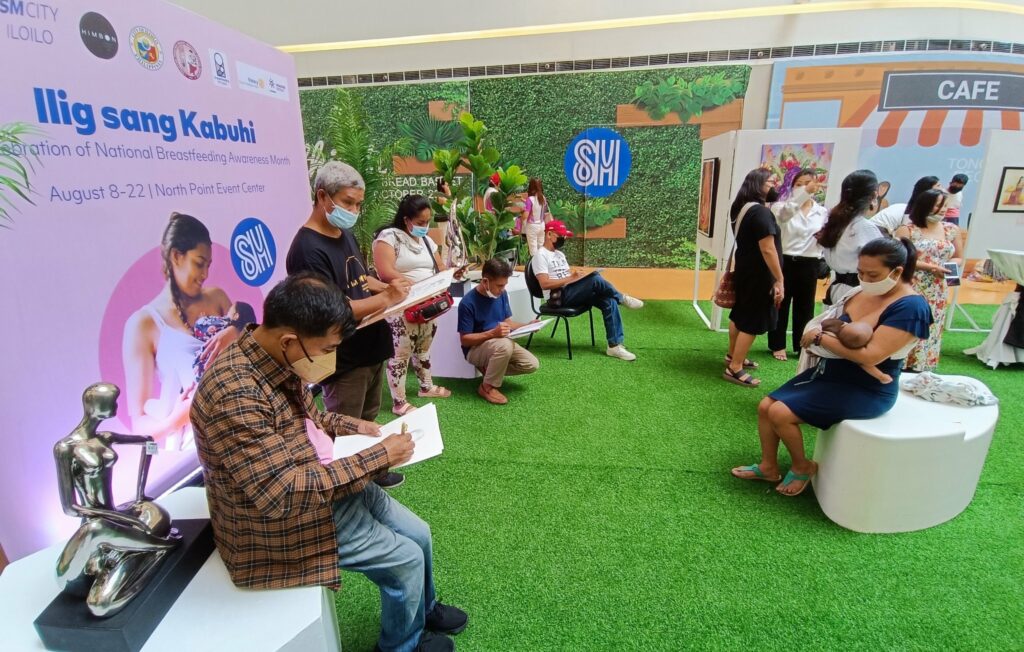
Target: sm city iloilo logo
253 251
598 162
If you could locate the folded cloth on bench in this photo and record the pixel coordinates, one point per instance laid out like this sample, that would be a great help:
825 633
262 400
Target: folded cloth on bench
932 387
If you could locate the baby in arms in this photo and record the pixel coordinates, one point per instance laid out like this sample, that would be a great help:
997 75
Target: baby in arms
855 335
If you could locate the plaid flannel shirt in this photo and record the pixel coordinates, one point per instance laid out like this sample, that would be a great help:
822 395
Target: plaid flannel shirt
270 497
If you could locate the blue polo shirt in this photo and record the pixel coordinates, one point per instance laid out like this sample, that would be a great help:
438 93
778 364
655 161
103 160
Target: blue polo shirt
479 313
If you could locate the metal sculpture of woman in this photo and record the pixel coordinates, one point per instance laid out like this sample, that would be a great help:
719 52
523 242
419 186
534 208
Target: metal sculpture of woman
115 551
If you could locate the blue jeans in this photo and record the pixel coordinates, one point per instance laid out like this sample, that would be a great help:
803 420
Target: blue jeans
380 538
595 291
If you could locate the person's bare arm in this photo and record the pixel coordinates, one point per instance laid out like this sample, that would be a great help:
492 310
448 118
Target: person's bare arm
548 283
469 340
384 261
886 341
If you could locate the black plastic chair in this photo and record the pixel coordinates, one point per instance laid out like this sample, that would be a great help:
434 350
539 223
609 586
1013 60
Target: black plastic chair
560 314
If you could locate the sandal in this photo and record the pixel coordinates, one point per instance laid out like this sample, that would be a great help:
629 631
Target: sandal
747 363
403 409
740 378
435 392
797 477
756 470
780 356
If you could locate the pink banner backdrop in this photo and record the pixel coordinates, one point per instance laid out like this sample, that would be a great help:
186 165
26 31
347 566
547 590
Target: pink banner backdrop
142 110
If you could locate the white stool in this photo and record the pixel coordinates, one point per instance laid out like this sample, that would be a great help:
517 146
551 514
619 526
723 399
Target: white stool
912 468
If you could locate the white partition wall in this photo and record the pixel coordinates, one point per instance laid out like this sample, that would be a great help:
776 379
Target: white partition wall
992 226
739 152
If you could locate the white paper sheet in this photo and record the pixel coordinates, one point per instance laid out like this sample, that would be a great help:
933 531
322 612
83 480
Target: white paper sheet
529 328
425 289
423 426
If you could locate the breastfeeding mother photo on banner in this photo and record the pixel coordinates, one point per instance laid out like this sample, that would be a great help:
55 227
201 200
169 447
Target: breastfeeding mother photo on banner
171 340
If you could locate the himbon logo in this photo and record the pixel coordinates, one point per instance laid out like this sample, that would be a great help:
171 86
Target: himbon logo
253 252
98 35
598 162
146 48
219 65
187 60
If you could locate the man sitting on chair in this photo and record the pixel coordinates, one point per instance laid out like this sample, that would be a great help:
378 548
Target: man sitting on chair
485 320
569 289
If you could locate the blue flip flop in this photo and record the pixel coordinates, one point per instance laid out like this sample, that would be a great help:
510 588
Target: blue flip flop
796 477
756 470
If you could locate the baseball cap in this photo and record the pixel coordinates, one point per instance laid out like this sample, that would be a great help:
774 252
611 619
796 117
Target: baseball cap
559 228
496 178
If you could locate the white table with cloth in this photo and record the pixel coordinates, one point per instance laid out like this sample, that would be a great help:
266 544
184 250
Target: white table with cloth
995 350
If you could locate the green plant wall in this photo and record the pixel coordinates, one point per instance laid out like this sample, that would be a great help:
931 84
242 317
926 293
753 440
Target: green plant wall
533 118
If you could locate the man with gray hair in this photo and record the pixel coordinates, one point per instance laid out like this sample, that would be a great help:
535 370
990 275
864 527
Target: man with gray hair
325 245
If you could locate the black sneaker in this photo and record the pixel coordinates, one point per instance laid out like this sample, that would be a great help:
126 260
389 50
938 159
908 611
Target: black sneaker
391 480
431 642
446 619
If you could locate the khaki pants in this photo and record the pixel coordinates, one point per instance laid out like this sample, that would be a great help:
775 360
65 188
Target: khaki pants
356 393
502 357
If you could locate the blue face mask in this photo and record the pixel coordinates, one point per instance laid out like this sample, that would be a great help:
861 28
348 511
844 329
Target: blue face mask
341 218
419 231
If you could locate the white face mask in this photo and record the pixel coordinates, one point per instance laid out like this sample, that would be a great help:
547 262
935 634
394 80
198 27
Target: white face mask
878 288
934 218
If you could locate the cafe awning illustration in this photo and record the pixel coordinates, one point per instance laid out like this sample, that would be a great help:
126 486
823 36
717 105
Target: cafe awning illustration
923 104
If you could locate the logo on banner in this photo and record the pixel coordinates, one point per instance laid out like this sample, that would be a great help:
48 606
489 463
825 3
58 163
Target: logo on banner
187 60
598 162
146 48
98 35
219 64
261 81
253 252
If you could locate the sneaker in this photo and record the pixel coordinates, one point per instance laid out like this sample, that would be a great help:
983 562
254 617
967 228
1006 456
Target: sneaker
631 302
446 619
431 642
391 480
621 353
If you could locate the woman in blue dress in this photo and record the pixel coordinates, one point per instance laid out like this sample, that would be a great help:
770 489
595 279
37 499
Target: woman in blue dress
839 389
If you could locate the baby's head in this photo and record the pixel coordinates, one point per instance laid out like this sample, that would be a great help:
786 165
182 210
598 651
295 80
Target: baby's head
855 335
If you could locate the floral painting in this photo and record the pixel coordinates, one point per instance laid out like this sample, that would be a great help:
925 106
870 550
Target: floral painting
786 160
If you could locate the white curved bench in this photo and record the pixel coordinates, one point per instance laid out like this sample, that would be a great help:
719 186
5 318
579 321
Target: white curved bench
912 468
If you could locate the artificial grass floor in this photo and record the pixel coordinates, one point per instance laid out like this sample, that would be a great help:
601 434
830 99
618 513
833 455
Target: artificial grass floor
596 512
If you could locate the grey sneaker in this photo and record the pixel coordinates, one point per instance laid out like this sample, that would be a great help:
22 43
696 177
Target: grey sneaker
631 302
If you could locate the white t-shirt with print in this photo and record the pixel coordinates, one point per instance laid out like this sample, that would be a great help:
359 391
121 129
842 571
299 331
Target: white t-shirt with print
552 263
414 257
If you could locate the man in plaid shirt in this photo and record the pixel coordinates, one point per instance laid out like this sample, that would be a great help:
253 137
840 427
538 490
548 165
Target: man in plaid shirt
280 517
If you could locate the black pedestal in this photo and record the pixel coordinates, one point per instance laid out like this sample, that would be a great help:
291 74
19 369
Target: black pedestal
68 625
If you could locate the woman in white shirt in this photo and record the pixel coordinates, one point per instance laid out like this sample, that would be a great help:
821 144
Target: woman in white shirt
800 218
535 216
404 249
847 230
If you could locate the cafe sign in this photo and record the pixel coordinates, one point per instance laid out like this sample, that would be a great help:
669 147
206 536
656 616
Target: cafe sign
915 91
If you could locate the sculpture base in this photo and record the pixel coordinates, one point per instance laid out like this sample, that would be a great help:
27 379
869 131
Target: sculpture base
67 624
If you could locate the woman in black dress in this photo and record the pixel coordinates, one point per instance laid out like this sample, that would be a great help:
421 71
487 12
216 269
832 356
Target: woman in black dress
757 277
840 388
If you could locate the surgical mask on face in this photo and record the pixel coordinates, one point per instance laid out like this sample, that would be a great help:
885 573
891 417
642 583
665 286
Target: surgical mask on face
342 218
487 291
419 231
878 288
935 217
560 242
313 369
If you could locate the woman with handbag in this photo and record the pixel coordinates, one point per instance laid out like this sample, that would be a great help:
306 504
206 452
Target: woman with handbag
837 387
757 279
403 249
847 230
800 217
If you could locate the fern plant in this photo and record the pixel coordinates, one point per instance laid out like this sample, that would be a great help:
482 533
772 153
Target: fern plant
686 99
15 181
348 140
427 135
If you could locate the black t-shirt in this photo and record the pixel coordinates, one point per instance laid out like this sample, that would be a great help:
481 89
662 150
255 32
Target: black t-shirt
340 260
758 223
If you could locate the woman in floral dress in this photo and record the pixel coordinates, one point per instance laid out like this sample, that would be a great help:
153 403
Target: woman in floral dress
937 243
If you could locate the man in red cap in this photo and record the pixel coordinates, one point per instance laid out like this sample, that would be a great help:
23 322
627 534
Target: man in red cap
492 187
571 289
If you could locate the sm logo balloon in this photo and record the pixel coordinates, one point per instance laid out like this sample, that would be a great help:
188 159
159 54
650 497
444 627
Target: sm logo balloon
597 162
